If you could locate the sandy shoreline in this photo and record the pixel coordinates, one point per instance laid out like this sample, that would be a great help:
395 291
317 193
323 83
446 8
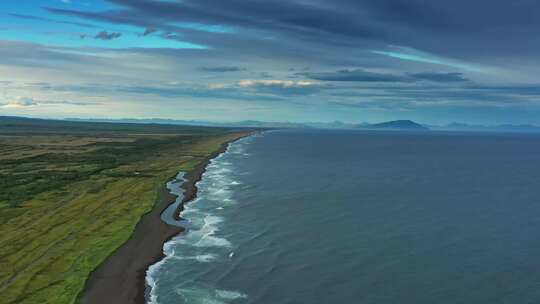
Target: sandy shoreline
121 278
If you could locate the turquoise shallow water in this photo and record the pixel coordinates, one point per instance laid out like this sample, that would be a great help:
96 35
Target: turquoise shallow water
361 217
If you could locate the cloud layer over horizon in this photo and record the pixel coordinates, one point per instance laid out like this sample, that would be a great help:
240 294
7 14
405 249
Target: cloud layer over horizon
368 60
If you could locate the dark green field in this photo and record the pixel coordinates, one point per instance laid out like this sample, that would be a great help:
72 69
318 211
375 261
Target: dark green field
72 192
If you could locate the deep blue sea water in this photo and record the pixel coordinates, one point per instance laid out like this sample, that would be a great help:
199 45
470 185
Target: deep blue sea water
362 217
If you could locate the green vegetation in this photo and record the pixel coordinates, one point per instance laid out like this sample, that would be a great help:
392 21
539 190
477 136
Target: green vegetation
71 193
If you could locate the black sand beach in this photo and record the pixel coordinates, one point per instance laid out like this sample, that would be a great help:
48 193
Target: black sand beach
121 278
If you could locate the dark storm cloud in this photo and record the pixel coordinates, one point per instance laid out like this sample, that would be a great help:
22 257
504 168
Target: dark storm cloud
449 28
262 20
104 35
293 16
339 35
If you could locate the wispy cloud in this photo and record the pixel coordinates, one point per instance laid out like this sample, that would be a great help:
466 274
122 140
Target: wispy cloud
354 75
20 102
222 69
104 35
24 102
360 75
410 54
439 77
282 87
149 30
45 19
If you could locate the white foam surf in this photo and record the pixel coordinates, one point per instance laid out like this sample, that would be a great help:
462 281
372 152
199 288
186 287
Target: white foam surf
203 258
201 242
202 295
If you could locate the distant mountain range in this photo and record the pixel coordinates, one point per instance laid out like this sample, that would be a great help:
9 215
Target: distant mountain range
396 125
244 123
389 125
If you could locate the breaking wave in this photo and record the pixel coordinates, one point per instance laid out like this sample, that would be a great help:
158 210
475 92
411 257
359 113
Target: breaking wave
201 242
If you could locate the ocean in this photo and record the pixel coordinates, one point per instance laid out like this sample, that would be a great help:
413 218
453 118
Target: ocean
311 216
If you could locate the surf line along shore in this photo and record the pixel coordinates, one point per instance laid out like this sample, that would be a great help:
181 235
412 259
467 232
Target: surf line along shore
121 278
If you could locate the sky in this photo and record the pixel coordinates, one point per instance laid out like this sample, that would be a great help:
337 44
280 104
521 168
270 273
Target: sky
435 62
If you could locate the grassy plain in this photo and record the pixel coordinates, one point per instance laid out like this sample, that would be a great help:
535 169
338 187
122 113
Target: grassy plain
72 192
